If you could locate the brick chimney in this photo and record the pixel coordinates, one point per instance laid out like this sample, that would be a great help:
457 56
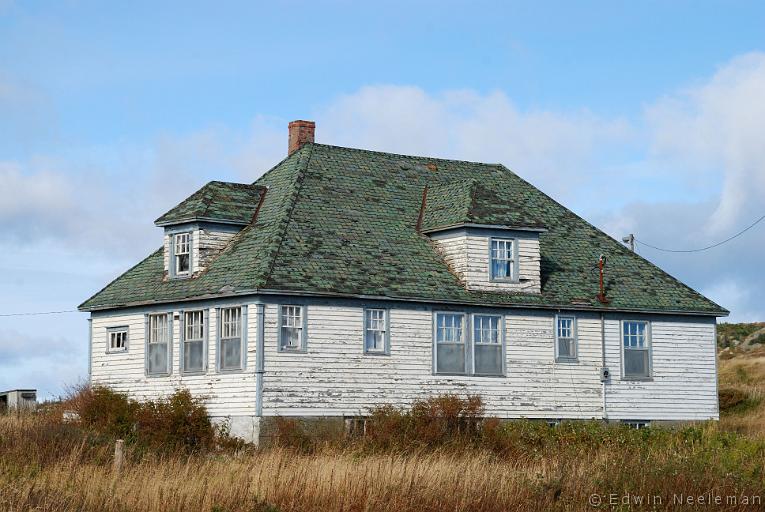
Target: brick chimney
300 133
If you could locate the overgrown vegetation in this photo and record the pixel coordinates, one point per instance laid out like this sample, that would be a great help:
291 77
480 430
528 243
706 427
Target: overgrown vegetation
436 455
439 454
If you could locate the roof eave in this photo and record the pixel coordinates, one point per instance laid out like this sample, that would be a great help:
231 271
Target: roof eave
484 226
187 220
292 293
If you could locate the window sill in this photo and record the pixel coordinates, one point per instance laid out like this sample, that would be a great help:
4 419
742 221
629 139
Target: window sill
493 376
123 351
567 360
158 375
366 353
231 370
505 281
637 379
193 373
293 351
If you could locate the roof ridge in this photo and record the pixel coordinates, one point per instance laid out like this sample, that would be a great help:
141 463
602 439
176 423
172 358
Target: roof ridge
299 179
401 155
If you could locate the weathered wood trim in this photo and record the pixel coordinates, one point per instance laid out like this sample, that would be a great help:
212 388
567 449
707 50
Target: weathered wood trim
259 358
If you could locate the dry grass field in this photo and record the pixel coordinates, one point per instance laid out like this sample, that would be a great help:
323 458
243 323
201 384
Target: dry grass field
46 465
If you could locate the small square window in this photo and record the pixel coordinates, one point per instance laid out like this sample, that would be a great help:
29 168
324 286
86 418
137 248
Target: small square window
118 339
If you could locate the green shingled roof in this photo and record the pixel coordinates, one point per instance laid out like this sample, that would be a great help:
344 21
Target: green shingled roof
218 201
343 222
464 202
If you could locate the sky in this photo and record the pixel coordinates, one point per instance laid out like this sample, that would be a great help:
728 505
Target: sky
642 117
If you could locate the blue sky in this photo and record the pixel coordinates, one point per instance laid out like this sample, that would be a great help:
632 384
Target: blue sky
641 117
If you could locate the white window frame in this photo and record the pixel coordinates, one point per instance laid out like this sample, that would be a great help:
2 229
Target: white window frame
574 338
500 338
220 315
463 341
184 340
112 332
511 257
175 254
168 343
648 348
385 349
303 328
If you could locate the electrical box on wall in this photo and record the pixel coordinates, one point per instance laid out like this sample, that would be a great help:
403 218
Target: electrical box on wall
605 374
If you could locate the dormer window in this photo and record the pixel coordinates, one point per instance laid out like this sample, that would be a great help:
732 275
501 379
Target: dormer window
182 253
502 259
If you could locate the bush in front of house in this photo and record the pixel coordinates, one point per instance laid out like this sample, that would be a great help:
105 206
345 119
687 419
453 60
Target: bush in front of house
178 422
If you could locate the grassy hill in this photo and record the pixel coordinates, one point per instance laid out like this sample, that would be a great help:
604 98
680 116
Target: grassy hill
741 349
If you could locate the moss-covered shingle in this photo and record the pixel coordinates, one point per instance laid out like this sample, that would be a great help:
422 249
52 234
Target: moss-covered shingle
343 221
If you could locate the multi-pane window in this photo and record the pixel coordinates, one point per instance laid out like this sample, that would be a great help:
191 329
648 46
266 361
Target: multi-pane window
118 339
158 345
450 343
635 341
375 330
501 259
565 337
193 341
292 328
230 348
182 253
487 345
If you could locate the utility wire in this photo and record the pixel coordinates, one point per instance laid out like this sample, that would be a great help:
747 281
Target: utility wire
718 244
40 313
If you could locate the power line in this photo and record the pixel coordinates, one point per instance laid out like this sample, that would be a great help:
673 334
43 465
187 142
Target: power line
718 244
41 313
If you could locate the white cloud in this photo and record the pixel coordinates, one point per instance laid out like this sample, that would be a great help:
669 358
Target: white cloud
470 126
718 126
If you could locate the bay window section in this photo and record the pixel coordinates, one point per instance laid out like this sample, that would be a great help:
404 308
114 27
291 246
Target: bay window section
158 337
450 343
193 345
487 345
230 348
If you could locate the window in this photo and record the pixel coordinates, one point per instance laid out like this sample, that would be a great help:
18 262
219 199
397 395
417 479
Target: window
158 344
118 339
292 328
193 346
450 343
637 358
565 338
501 259
637 424
182 253
487 345
376 331
230 350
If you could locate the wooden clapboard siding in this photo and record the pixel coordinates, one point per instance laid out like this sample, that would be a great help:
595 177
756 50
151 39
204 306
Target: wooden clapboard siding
334 377
207 241
467 255
683 382
225 393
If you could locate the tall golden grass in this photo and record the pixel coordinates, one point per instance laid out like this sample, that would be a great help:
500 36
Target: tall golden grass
551 469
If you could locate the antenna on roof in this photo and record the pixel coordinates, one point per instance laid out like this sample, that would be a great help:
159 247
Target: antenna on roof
630 240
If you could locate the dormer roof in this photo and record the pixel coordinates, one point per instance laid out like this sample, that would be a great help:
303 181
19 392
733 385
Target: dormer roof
218 201
470 202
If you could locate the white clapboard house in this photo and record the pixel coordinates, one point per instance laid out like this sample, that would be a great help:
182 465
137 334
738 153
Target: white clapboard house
344 279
